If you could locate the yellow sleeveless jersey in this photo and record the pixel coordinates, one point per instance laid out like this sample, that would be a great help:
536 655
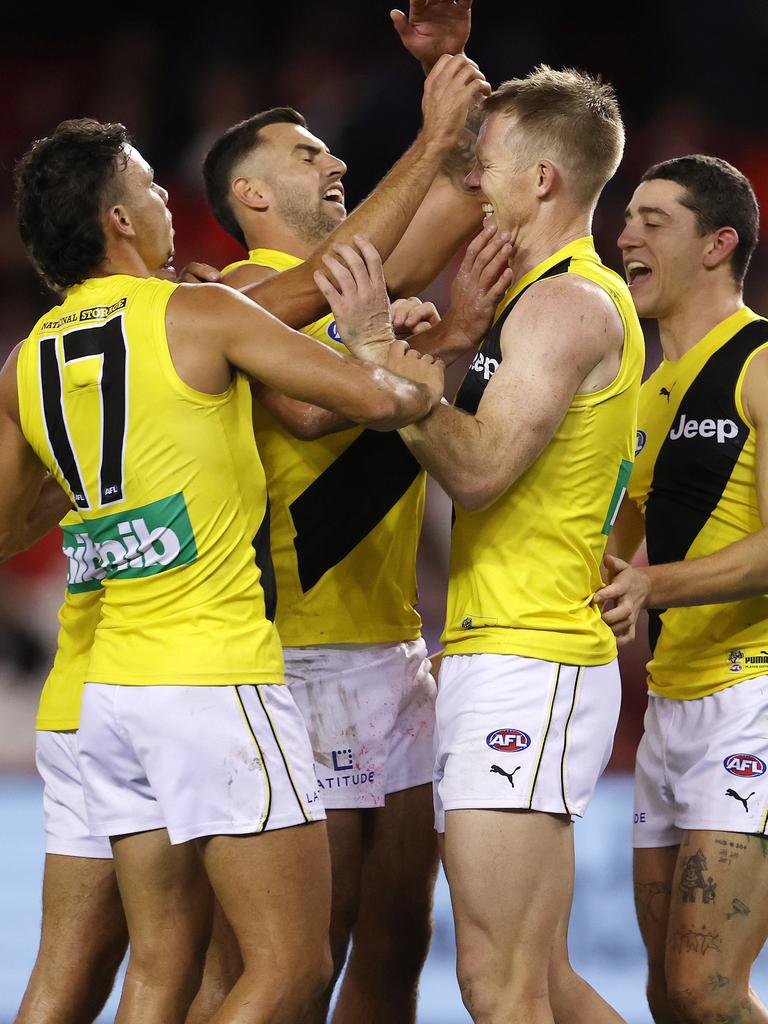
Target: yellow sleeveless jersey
79 615
525 569
168 485
695 482
346 519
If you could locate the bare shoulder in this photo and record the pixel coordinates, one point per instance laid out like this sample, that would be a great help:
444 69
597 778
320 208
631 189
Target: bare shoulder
248 274
755 389
204 302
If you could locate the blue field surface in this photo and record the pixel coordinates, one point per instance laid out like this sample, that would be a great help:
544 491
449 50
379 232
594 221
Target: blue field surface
605 944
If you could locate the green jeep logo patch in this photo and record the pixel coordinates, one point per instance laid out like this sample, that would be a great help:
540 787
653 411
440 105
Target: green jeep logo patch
128 545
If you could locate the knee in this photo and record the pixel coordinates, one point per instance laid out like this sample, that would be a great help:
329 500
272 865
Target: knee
489 990
400 939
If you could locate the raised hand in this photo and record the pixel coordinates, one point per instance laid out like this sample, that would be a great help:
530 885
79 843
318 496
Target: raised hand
193 273
453 86
354 287
420 368
434 27
412 316
479 286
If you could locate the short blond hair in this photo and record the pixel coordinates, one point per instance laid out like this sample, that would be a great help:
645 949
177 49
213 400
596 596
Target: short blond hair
572 114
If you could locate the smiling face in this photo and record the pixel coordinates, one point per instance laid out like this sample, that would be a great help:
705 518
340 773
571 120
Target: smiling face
662 248
146 205
303 180
505 174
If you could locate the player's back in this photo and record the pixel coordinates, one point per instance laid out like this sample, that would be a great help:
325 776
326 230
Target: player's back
169 486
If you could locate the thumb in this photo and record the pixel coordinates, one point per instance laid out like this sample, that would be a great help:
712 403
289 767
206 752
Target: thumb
615 564
400 22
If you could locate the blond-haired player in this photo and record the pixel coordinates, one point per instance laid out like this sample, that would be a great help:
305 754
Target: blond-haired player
535 454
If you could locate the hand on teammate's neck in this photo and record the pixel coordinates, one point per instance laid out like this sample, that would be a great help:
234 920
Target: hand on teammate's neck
536 242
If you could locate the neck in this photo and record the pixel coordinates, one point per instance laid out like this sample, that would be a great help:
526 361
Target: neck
536 242
122 259
700 311
277 237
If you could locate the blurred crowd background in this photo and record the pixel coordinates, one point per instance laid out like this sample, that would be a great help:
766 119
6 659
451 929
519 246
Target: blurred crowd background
690 76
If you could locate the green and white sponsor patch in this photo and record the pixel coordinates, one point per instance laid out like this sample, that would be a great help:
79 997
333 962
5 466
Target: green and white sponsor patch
131 544
625 471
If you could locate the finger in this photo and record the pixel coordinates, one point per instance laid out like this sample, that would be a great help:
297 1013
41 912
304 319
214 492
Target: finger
608 593
324 285
493 269
371 256
400 22
496 292
355 262
202 272
478 243
490 251
421 327
339 273
618 615
614 563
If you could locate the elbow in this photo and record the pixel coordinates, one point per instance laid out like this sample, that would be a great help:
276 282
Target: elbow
11 543
389 409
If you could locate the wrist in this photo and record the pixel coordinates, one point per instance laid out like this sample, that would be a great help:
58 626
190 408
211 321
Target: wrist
460 338
431 149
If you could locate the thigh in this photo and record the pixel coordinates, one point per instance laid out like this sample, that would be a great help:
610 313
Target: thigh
275 890
82 911
718 919
167 899
396 890
510 886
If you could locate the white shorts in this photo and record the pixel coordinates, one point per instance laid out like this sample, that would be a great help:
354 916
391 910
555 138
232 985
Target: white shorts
370 712
703 764
521 733
195 760
66 823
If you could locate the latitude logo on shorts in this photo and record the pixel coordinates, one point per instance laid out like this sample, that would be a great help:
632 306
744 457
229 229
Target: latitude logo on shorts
508 741
131 544
745 766
342 760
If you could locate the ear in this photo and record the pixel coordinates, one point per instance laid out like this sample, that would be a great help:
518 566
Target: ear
118 220
252 192
546 177
720 245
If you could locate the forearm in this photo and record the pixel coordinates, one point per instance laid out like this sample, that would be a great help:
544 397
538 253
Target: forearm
736 572
450 446
444 341
383 218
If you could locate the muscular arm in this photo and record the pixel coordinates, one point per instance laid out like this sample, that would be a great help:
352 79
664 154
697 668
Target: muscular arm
51 506
20 470
560 333
212 328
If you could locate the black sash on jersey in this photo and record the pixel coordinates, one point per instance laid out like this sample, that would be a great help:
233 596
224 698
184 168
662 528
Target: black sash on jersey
263 549
689 478
476 381
349 499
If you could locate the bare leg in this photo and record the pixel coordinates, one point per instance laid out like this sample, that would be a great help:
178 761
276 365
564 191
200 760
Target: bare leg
168 906
573 1000
223 966
345 837
510 886
275 890
394 925
718 923
654 870
83 940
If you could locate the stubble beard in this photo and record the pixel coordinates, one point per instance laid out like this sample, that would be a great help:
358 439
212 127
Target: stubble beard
312 224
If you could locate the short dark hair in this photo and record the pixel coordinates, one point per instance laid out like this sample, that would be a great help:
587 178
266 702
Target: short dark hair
227 151
62 183
720 196
571 112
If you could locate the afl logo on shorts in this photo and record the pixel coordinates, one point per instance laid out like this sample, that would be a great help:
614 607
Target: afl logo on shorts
745 766
509 741
640 438
333 331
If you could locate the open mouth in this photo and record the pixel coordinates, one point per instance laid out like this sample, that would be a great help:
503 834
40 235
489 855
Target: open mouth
637 271
488 209
335 194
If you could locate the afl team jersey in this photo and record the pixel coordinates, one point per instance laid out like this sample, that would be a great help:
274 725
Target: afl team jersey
168 485
695 482
524 570
78 617
346 519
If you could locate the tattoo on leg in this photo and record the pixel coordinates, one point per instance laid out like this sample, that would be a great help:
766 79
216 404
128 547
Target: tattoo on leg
738 907
729 850
693 879
740 1014
691 940
650 908
717 981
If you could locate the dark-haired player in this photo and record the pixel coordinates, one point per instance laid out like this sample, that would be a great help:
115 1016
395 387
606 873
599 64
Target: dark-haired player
699 496
346 509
